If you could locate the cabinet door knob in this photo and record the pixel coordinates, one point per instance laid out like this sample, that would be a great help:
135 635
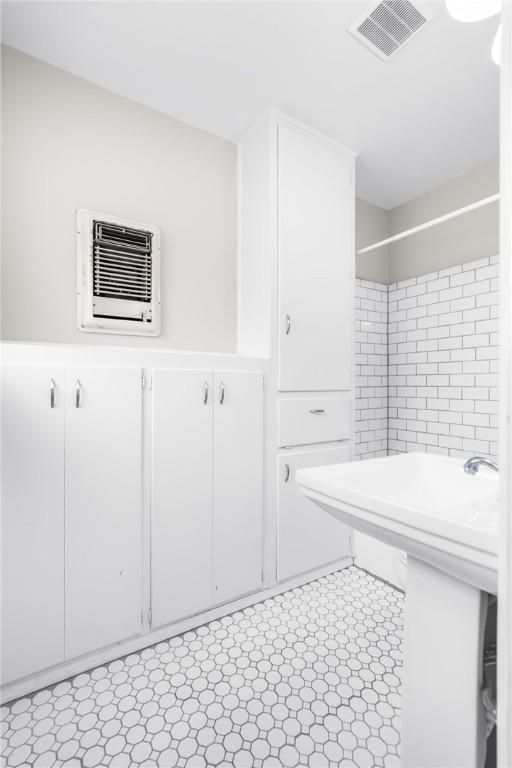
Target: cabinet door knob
286 472
52 393
78 394
222 393
206 392
288 324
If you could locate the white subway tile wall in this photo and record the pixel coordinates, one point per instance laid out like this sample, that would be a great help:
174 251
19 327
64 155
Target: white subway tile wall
443 361
371 407
430 383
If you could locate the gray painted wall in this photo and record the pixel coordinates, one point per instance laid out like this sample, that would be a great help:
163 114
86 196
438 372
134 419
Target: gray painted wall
472 236
372 225
68 144
469 237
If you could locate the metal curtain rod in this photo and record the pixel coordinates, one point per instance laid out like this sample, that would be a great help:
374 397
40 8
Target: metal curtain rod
432 223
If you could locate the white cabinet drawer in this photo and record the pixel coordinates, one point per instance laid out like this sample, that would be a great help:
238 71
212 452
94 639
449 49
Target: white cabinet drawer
313 420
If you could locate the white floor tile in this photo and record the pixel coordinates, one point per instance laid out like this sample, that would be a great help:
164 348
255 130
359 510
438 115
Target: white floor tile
308 678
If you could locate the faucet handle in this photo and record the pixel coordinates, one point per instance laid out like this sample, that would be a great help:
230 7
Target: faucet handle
472 465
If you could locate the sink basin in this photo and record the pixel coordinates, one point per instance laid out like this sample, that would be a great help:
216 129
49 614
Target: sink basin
422 503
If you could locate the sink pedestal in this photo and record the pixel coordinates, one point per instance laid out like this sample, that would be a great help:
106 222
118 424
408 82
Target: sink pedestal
442 714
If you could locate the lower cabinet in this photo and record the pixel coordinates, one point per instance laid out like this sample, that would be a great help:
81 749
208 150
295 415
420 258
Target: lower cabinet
308 537
32 519
71 512
103 506
237 484
181 494
72 500
206 499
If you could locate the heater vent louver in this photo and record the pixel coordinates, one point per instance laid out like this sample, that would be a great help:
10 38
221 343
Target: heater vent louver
118 275
121 262
388 25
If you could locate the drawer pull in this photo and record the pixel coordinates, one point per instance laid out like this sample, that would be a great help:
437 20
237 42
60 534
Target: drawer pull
317 411
286 472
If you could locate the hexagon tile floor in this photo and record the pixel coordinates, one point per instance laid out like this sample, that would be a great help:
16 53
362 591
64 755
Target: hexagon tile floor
308 678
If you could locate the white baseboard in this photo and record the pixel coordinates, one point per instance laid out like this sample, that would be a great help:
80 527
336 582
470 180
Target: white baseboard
67 669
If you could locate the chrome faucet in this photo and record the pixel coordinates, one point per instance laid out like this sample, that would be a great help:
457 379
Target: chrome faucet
473 465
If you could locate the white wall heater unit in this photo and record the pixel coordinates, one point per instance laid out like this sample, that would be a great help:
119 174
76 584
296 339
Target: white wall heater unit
118 275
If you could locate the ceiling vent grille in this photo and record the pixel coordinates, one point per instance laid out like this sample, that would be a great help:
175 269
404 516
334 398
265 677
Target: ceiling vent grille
388 25
118 275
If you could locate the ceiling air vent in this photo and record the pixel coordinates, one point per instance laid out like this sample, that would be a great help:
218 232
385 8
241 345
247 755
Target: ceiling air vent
118 275
388 25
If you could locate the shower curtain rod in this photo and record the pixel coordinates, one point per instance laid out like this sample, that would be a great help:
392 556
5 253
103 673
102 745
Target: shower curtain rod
432 223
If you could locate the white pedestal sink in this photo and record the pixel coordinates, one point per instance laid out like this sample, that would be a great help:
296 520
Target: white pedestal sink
447 522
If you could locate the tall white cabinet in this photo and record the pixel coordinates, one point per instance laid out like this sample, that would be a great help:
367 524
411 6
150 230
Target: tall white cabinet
296 276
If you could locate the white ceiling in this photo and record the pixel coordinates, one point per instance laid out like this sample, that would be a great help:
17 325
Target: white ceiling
425 116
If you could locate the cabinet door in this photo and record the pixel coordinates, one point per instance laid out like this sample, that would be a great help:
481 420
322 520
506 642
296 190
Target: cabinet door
103 507
308 537
32 519
316 263
181 494
237 484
